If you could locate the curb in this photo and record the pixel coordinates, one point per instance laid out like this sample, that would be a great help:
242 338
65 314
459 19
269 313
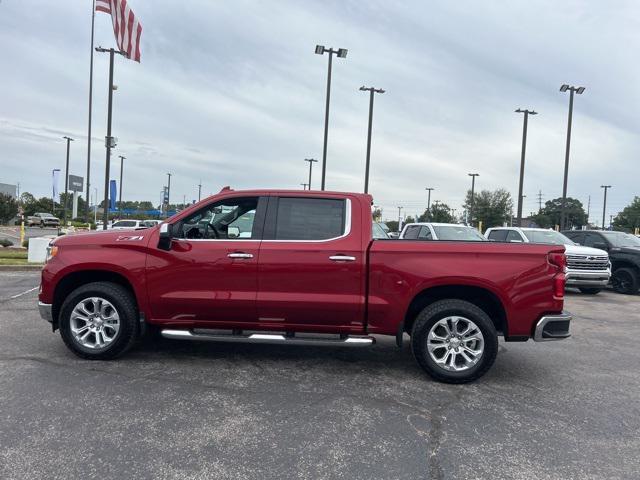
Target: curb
20 268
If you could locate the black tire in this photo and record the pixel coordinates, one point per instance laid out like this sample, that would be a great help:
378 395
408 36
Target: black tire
625 280
41 224
428 317
124 304
590 290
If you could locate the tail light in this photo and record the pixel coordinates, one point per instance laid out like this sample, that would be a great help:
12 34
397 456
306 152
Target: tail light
559 260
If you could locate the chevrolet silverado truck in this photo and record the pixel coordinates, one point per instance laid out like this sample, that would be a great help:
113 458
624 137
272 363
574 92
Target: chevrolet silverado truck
301 268
588 269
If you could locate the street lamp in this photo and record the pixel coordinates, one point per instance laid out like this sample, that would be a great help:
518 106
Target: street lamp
473 187
604 206
341 53
579 91
371 91
66 182
524 148
311 162
429 189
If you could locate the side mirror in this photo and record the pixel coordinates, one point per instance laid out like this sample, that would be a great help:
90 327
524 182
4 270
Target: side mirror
600 245
166 234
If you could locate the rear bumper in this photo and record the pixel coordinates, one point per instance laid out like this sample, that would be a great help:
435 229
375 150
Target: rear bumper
553 327
587 279
46 311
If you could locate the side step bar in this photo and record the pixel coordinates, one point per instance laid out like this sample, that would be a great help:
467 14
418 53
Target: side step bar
278 339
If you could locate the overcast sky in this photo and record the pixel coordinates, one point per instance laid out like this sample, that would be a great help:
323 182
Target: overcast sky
231 93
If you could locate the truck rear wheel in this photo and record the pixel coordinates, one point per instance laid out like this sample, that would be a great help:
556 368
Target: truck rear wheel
98 321
454 341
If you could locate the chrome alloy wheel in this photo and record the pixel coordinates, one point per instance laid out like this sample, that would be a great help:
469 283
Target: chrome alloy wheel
94 323
455 343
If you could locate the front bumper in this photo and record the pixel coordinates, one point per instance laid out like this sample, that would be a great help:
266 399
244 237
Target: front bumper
46 311
553 327
587 279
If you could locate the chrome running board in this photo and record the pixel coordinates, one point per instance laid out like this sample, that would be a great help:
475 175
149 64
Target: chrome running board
271 338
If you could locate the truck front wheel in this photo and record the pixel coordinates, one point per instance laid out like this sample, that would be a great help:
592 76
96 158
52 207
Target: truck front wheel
98 321
625 280
454 341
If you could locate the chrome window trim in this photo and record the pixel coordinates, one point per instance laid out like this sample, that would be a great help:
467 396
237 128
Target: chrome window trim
347 231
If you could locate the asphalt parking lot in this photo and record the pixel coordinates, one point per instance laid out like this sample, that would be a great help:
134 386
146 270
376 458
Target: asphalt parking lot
13 233
557 410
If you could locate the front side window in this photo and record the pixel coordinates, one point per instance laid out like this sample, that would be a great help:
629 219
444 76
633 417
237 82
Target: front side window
498 235
230 219
412 232
124 223
310 218
513 236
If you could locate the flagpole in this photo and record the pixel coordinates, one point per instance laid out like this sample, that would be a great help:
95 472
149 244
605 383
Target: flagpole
93 21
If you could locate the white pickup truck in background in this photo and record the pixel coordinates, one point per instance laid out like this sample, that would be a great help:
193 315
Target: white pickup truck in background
588 269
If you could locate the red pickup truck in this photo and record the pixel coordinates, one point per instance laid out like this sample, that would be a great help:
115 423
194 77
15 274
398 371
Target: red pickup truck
301 268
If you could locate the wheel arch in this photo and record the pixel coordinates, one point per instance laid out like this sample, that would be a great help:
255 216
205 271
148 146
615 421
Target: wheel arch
73 280
479 296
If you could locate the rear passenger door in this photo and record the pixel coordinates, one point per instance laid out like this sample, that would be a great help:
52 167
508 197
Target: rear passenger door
311 270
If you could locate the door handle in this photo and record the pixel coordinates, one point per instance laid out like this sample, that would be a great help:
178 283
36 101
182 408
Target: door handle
342 258
240 255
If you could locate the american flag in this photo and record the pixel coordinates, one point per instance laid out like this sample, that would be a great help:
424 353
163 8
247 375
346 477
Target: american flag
126 26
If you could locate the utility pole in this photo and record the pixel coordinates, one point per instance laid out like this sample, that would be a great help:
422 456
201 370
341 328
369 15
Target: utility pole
588 209
400 218
429 189
311 162
168 192
66 182
604 206
109 140
342 53
473 187
199 189
121 169
524 149
371 91
539 201
579 91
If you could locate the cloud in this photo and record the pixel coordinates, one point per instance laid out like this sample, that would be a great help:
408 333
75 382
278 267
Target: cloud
232 93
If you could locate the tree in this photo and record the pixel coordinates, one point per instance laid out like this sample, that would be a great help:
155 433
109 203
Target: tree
31 205
629 218
493 209
376 215
438 212
393 225
549 216
8 207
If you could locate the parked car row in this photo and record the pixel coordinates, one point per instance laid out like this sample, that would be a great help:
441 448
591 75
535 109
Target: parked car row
594 257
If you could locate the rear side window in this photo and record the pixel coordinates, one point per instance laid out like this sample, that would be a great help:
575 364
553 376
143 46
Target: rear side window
498 235
412 232
310 218
513 236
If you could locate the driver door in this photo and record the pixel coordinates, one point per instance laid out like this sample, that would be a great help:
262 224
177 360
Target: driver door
209 275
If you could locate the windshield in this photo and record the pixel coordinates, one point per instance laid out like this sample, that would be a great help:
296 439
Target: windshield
547 236
378 232
458 232
621 239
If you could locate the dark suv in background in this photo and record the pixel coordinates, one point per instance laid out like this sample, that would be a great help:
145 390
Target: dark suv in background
624 253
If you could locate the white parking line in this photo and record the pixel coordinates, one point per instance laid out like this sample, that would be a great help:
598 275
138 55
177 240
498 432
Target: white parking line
24 293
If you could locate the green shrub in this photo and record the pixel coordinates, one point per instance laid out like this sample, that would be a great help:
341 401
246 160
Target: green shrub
25 243
5 243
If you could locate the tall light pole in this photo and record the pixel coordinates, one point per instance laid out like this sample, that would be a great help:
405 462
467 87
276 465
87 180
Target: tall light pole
400 218
121 169
429 189
563 208
311 162
199 189
109 140
66 182
473 187
524 149
342 53
604 206
371 91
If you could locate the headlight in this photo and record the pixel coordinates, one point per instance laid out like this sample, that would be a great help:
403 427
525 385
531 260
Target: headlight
52 251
